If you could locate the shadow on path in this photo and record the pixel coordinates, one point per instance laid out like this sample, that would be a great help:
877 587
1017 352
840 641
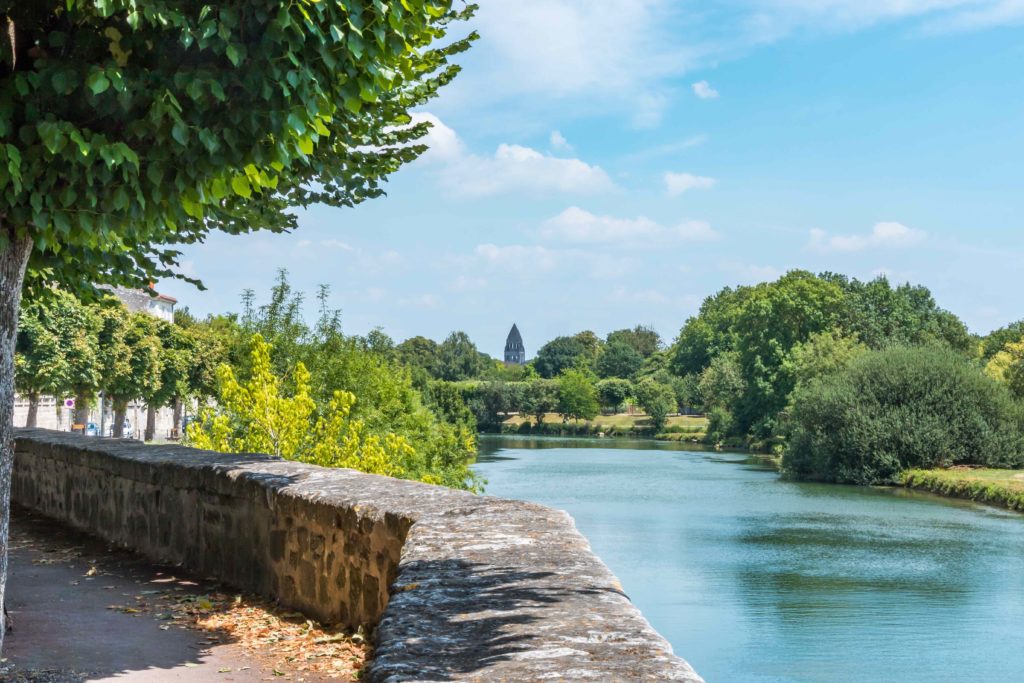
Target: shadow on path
85 612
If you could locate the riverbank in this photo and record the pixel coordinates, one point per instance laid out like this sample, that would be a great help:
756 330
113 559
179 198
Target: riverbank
1004 488
689 428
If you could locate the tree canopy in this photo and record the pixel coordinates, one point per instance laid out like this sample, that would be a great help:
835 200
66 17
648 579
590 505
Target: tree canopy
130 126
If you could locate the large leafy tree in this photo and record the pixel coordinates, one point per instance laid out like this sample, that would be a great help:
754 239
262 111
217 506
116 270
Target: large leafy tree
458 358
131 125
657 400
56 352
577 396
40 366
131 357
618 359
644 339
178 351
561 354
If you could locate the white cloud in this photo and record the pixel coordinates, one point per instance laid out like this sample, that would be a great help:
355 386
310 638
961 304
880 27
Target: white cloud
559 142
442 142
512 168
532 261
336 244
564 47
575 225
517 257
608 55
704 91
648 110
884 235
678 183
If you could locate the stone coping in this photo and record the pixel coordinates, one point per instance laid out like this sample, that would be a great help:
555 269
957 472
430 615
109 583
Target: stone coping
460 587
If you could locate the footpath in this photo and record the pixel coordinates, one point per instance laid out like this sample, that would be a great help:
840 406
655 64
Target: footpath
82 611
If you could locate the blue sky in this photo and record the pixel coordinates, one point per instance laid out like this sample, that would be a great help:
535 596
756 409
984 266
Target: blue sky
600 164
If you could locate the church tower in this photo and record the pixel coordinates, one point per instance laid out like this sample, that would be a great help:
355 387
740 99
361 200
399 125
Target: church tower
515 352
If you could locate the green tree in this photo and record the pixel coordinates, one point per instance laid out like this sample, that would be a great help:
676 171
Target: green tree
898 408
540 397
266 415
881 315
824 353
130 358
996 340
712 332
776 317
592 344
419 352
721 384
1007 367
612 393
559 355
40 363
129 126
56 352
644 340
178 351
577 396
658 401
619 359
459 359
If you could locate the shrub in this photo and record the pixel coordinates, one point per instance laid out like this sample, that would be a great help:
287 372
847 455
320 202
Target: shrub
899 408
719 424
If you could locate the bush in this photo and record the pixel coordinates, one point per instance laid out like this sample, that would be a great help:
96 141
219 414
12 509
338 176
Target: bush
719 424
899 408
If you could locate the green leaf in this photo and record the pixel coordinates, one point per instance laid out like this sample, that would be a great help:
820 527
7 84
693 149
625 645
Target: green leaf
180 133
235 53
209 140
240 184
51 135
97 82
219 188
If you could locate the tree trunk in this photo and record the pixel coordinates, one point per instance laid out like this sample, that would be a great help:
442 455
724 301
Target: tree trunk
32 419
150 424
176 421
82 405
120 409
13 260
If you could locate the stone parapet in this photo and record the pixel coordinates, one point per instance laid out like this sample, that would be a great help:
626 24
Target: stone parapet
459 587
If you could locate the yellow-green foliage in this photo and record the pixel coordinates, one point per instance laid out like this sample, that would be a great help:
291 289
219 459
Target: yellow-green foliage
259 416
1007 366
997 487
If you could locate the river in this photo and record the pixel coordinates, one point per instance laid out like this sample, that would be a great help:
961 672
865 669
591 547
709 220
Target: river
756 579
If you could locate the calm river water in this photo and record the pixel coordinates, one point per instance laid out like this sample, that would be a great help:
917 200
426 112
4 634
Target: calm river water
752 578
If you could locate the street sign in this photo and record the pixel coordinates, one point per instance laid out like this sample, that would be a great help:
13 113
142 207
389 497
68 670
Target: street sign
69 403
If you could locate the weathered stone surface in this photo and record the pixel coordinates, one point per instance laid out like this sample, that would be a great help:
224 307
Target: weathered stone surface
460 587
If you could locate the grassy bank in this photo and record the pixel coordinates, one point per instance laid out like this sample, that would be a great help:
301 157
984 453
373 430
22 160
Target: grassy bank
1004 488
677 428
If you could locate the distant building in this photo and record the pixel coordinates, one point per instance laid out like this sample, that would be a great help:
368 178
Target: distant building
142 301
515 352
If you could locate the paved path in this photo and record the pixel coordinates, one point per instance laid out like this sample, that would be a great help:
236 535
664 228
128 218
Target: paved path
61 587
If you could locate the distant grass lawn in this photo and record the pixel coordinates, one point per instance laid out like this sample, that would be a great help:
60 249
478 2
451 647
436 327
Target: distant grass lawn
622 422
996 487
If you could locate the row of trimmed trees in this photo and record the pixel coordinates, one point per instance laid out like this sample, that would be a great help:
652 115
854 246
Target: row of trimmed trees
67 348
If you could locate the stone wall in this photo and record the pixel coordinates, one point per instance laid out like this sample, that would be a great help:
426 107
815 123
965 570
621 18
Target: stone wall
460 587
